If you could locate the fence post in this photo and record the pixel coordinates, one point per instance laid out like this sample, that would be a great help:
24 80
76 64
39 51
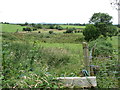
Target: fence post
86 57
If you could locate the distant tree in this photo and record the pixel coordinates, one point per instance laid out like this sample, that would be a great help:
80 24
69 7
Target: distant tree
59 27
26 23
51 26
33 24
6 22
39 26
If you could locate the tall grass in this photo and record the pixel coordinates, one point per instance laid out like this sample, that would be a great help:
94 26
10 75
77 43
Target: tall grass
106 57
22 59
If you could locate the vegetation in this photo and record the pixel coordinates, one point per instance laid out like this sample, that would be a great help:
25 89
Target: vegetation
34 59
70 30
90 32
11 28
50 32
102 26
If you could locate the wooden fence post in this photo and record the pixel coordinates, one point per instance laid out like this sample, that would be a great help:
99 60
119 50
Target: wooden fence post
86 57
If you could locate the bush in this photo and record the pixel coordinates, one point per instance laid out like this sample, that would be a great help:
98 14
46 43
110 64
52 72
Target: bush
27 29
50 32
34 29
51 27
70 30
59 27
39 32
90 32
102 48
39 26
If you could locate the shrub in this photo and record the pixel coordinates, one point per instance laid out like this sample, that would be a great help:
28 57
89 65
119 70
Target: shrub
90 32
50 32
76 31
34 29
102 48
51 27
27 29
70 30
39 32
39 26
59 27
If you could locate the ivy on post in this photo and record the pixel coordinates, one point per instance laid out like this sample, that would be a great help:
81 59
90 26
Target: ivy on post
86 57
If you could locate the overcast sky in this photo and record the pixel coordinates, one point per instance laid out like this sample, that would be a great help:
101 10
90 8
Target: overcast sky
53 11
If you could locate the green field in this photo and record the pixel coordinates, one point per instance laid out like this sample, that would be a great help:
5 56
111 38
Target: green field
72 26
14 28
11 28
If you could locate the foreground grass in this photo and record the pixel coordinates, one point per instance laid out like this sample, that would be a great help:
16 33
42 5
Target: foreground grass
35 64
33 60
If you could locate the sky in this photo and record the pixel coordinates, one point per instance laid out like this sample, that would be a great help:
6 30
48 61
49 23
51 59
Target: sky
54 11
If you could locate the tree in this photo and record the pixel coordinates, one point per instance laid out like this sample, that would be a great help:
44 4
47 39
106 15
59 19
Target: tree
102 22
33 24
102 29
112 31
39 26
51 26
90 32
26 23
100 18
59 27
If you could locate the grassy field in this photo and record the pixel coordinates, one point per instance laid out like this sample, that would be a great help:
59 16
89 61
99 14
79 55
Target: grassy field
72 26
14 28
11 28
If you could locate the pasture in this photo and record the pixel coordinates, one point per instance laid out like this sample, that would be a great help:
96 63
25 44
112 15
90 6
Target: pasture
72 26
11 28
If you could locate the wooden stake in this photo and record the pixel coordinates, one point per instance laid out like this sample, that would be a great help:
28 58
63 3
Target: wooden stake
86 57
